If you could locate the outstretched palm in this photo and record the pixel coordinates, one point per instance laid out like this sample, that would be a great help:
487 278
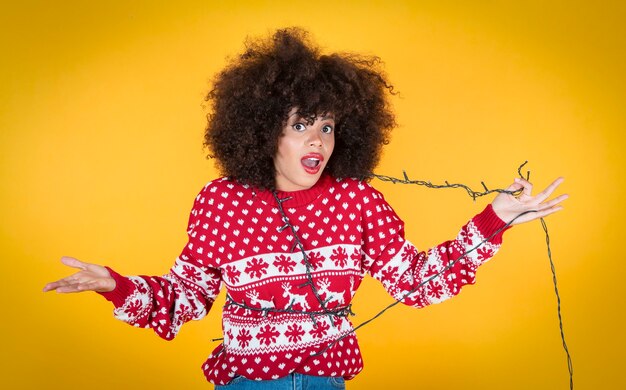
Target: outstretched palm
91 277
508 207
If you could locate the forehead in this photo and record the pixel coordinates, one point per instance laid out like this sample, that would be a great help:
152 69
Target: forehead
295 114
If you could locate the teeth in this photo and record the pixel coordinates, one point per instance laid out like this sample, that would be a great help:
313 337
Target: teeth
311 162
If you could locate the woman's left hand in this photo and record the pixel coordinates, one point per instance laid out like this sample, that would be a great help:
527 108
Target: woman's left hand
508 206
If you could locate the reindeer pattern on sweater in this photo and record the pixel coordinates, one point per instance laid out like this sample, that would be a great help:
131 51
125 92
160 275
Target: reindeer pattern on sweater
275 323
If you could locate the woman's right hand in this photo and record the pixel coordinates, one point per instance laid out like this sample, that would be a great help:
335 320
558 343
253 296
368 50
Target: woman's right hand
91 277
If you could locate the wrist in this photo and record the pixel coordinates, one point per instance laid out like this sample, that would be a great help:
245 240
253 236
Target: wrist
491 224
122 288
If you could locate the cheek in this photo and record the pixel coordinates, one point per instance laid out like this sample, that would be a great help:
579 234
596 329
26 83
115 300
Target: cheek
286 149
330 145
282 147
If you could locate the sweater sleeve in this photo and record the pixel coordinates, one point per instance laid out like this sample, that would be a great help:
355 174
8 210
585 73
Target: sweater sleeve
165 303
422 278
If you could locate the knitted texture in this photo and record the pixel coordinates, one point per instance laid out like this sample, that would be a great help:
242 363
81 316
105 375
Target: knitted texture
237 238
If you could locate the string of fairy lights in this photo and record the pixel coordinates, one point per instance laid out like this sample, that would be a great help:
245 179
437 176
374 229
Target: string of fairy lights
476 194
344 311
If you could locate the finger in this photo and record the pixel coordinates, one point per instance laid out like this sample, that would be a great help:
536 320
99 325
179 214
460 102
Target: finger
66 286
59 283
74 263
90 285
514 187
546 212
77 285
543 195
553 202
536 214
71 288
526 185
69 280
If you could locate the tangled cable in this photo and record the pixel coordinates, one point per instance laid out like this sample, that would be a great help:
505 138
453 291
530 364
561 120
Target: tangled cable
475 194
346 310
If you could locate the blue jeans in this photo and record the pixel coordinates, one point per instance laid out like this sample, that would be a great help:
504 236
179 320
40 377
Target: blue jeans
293 381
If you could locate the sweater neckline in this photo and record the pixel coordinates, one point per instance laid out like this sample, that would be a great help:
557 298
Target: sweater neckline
300 197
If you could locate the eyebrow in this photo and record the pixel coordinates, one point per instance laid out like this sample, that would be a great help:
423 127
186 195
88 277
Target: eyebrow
299 116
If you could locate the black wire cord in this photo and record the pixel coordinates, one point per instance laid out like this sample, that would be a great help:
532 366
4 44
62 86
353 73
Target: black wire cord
346 310
570 366
474 194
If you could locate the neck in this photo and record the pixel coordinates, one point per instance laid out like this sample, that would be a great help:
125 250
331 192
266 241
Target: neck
299 197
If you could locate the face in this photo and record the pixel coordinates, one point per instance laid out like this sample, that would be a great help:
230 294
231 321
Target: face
303 151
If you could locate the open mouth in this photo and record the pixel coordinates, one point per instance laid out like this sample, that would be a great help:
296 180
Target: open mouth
312 162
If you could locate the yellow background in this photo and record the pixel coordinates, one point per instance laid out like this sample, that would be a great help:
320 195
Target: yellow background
101 118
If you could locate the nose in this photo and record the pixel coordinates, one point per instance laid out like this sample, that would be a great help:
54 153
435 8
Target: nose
315 139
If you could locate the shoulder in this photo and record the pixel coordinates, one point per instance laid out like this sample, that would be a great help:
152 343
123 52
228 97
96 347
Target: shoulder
223 187
217 197
368 200
360 194
357 189
221 190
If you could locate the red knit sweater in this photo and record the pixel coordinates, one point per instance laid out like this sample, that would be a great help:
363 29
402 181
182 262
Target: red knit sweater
274 322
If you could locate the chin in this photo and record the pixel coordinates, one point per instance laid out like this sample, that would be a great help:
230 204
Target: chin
306 184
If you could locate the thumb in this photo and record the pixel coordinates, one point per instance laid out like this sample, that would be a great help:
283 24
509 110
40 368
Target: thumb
74 263
515 186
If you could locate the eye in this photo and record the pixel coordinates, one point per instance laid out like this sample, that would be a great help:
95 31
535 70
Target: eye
299 127
327 129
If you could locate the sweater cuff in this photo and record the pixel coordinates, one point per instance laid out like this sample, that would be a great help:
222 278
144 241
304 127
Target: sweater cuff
489 223
123 288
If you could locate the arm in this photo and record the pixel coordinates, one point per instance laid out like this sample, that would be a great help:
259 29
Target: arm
165 303
162 303
421 278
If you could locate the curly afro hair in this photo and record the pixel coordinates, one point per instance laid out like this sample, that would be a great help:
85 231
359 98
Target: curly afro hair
252 96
